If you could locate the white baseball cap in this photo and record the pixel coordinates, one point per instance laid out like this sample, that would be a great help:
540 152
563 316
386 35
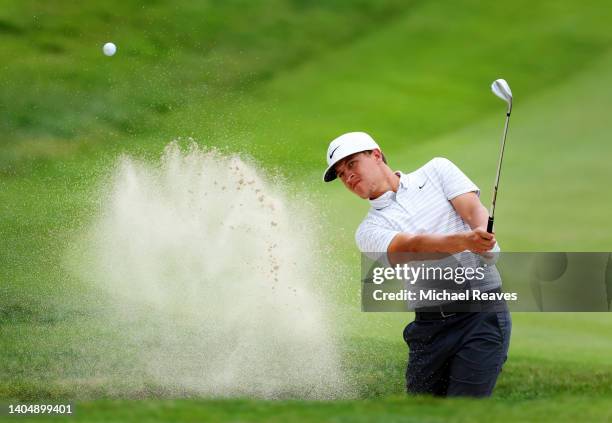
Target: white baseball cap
344 146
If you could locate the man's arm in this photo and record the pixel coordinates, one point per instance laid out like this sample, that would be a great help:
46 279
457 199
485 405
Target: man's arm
471 210
478 240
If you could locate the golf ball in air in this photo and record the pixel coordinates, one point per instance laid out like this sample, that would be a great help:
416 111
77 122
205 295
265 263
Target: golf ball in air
109 49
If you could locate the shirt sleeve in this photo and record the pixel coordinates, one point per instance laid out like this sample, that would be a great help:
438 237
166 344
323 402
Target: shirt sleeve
373 239
452 180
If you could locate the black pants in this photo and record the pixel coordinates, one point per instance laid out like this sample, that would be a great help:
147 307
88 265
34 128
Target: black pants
461 355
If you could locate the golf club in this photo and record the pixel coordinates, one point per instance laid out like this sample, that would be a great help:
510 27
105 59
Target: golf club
501 89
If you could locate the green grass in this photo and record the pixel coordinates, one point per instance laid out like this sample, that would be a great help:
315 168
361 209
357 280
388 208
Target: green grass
63 91
390 409
277 80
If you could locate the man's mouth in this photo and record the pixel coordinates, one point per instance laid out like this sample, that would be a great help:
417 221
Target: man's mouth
354 184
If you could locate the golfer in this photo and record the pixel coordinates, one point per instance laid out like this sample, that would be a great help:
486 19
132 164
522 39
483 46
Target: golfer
436 208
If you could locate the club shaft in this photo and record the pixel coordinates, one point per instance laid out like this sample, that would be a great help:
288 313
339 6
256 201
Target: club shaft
499 164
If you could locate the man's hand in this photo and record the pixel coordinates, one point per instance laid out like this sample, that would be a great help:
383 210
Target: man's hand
479 240
474 214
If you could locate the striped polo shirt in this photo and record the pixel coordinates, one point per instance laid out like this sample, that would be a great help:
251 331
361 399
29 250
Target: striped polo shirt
422 205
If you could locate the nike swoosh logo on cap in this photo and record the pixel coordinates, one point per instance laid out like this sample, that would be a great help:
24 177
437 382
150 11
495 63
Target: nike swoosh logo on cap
333 151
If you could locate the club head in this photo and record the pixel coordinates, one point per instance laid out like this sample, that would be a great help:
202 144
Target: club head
501 89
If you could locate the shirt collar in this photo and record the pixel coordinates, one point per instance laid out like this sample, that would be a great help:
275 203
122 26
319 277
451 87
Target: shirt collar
388 197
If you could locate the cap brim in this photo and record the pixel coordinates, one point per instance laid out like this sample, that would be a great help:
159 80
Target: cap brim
330 174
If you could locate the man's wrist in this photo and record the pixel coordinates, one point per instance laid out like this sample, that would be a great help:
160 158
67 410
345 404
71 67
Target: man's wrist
458 242
462 245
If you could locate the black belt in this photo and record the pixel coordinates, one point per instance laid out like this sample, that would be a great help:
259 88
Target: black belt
444 311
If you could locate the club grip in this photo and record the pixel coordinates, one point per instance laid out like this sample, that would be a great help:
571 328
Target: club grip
490 225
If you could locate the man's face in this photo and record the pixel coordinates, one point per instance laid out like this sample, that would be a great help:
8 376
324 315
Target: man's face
361 173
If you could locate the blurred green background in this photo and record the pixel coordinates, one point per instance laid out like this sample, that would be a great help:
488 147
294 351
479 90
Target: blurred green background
277 80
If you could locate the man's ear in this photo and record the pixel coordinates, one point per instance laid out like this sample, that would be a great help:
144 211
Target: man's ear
377 154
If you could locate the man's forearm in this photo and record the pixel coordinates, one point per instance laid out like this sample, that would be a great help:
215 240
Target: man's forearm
427 243
479 217
471 210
